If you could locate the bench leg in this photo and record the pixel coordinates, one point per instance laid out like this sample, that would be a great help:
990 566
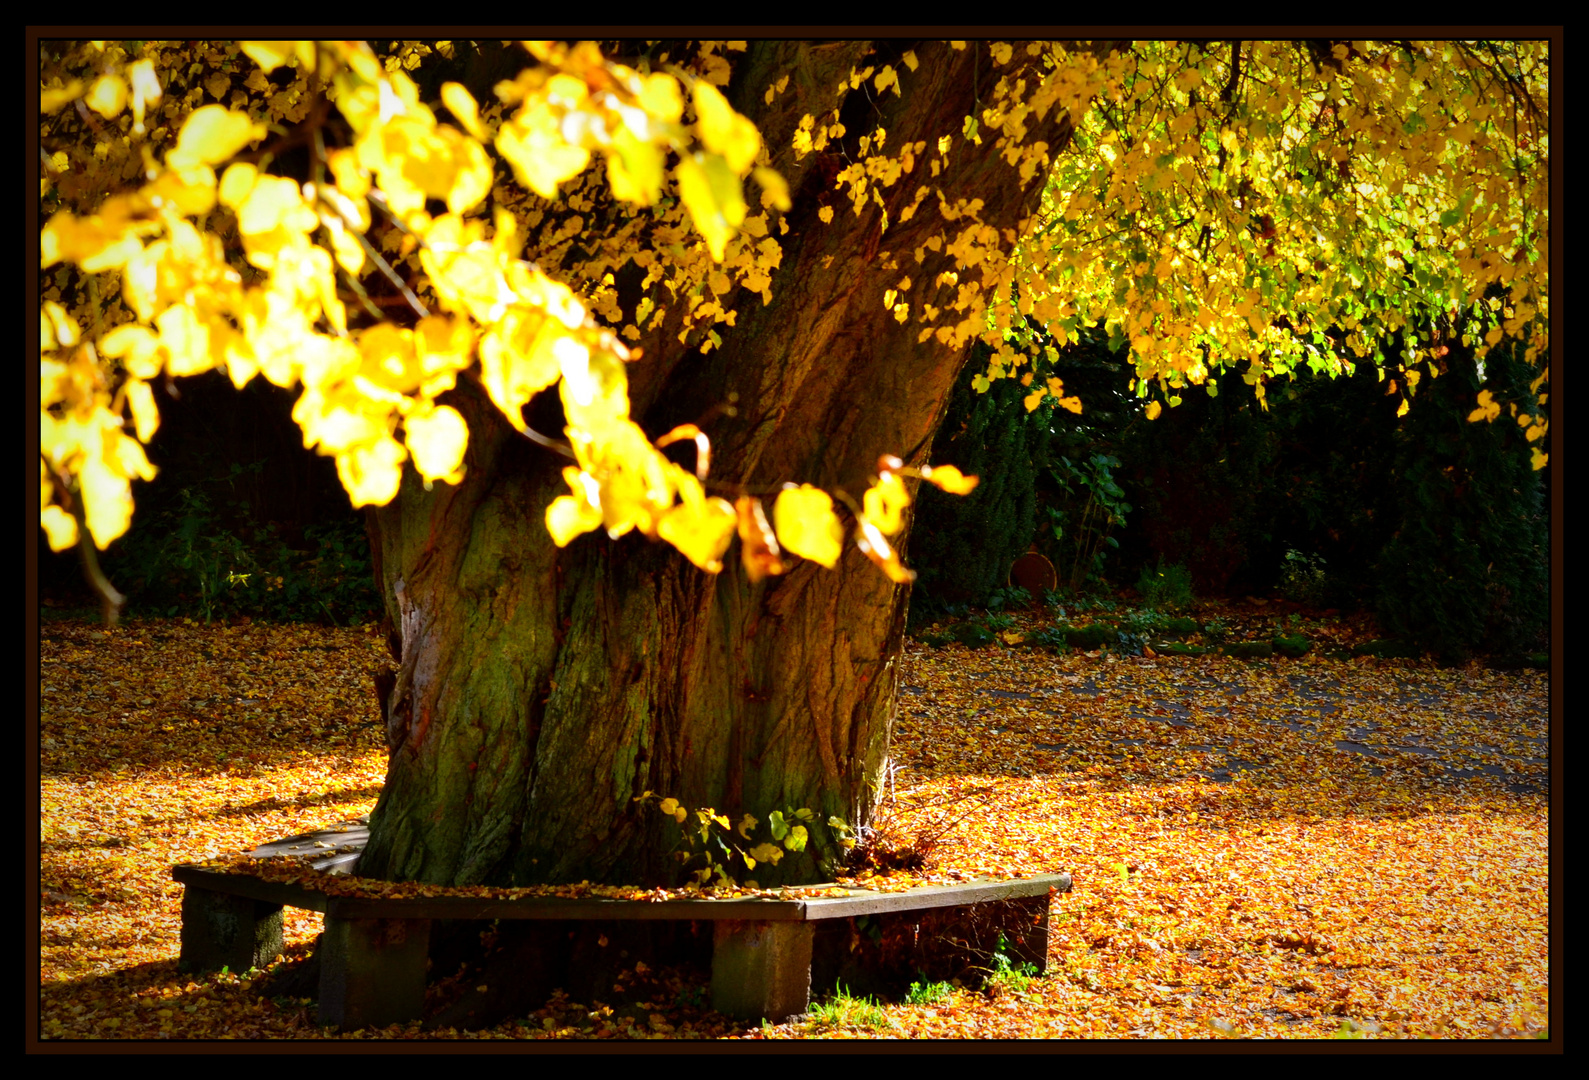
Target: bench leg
1028 939
220 930
372 971
761 969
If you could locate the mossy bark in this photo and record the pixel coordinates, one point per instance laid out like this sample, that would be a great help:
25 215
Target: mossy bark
541 691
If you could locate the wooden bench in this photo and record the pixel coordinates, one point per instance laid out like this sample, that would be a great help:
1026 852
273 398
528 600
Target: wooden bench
374 950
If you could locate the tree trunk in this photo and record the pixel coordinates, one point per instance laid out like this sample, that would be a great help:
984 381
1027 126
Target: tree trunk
541 691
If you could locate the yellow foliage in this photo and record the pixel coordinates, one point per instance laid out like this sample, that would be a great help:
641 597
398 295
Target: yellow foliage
1204 234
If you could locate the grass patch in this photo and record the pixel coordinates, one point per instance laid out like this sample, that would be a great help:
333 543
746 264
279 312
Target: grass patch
843 1010
928 993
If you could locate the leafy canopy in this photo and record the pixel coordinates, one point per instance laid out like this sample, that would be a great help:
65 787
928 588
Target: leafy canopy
278 307
1239 203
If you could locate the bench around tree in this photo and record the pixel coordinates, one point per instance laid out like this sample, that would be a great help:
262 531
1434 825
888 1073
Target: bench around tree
374 951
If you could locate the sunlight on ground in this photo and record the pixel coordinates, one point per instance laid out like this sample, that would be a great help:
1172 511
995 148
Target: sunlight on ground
1283 849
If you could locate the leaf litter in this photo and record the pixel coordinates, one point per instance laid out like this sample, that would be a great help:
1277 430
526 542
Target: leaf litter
1277 849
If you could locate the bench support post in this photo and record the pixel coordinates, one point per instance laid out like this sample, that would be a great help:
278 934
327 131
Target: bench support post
372 971
761 969
220 930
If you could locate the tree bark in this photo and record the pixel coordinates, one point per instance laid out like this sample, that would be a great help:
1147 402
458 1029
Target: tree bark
540 691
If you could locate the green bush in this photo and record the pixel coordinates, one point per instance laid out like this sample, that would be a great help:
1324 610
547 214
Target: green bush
1294 646
1302 578
1167 587
1465 570
196 559
963 546
972 635
1093 636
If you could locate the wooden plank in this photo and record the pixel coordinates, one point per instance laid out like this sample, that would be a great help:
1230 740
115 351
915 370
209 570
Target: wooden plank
286 893
859 902
933 896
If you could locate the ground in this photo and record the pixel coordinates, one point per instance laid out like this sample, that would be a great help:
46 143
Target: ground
1270 848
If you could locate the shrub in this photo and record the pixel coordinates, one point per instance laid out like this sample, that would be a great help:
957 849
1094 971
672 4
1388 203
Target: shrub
1302 578
963 546
195 558
1167 587
1465 570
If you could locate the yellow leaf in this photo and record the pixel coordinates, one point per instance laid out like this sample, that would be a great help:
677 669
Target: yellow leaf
270 55
807 525
876 548
137 348
108 96
145 91
462 105
634 169
885 502
1538 457
700 528
59 526
371 473
145 416
723 131
211 135
767 853
668 806
517 361
758 546
660 97
910 59
533 144
774 189
1153 410
1403 410
712 195
51 100
437 439
1488 408
950 479
745 825
571 515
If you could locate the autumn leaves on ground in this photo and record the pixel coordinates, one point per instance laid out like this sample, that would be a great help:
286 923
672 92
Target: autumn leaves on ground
1277 848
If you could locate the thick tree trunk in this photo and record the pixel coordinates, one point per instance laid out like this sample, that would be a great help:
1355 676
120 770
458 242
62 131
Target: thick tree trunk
542 690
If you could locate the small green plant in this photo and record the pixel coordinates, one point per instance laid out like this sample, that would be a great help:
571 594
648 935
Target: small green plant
1130 644
1168 587
1012 597
844 1010
1302 578
1051 637
996 623
1006 976
973 635
928 993
720 847
1083 535
1216 632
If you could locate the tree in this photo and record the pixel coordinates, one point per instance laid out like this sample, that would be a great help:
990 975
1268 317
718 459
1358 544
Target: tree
305 215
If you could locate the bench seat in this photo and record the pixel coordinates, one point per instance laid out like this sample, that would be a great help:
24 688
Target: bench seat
373 954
